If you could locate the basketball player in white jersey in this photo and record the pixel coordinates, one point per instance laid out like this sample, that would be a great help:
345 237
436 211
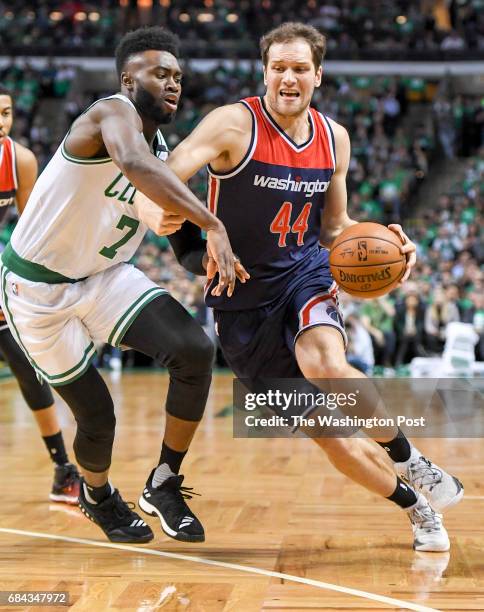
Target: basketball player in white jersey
66 283
284 323
18 172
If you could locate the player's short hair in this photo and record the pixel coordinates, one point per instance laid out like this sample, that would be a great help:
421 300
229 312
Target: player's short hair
5 92
145 39
292 30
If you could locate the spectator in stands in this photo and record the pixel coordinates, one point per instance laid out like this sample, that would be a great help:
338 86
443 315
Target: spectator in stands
377 317
440 312
409 327
447 245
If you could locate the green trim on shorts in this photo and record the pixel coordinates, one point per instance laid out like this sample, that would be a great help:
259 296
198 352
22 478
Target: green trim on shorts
123 323
32 271
84 363
53 380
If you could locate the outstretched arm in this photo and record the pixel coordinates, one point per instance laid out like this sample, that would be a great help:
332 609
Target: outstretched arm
118 128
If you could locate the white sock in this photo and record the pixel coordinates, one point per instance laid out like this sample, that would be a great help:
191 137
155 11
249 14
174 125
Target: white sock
162 472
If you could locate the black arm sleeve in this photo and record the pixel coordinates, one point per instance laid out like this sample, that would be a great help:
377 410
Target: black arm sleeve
189 247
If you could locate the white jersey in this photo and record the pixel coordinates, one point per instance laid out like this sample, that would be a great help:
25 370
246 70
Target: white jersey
80 218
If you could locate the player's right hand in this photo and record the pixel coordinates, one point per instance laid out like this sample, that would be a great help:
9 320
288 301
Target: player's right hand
219 249
240 272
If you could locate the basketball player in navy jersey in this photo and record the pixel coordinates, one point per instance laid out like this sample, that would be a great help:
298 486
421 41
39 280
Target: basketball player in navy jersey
277 180
18 172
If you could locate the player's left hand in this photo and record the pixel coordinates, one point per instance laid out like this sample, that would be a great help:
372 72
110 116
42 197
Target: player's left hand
408 248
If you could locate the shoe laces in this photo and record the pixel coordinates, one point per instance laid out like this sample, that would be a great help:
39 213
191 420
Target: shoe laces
426 518
424 473
119 507
174 483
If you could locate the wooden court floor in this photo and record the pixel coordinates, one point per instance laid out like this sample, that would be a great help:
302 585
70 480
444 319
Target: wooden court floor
284 530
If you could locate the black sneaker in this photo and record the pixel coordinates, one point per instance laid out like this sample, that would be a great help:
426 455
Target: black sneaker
65 487
116 519
167 502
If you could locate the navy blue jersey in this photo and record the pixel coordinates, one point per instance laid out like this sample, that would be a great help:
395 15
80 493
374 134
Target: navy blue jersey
271 205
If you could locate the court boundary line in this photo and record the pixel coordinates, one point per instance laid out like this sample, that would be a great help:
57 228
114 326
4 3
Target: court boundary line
223 564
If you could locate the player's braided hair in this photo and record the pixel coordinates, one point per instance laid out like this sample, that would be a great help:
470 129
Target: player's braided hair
4 91
292 30
145 39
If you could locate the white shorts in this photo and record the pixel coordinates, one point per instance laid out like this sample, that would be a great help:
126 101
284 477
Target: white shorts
57 325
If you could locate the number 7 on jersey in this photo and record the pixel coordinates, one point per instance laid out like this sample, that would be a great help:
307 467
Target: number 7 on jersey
125 221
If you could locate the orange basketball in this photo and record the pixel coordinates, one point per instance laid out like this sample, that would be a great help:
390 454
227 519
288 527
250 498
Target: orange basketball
366 261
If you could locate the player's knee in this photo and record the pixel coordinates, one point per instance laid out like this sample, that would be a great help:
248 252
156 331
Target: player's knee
319 369
193 355
339 449
99 423
202 352
37 395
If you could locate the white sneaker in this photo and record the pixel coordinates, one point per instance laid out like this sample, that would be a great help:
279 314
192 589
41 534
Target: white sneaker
441 489
429 534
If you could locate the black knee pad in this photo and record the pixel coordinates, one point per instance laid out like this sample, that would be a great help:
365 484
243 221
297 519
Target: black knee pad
94 441
165 331
37 394
192 355
93 408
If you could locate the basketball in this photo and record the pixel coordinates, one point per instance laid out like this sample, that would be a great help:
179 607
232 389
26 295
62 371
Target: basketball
366 261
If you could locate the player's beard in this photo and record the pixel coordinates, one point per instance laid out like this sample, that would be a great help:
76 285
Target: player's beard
147 106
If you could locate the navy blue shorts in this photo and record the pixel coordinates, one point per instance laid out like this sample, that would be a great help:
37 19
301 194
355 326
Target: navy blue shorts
259 343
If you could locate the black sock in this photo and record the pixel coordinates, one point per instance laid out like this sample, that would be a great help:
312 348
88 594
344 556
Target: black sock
56 448
404 496
399 448
172 457
98 494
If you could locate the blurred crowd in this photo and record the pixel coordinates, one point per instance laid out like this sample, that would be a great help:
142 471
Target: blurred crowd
28 86
459 123
390 159
231 28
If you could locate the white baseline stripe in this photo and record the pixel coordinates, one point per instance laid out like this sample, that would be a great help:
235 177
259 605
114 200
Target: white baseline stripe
233 566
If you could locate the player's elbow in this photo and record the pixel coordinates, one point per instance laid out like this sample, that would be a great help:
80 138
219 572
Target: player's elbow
129 163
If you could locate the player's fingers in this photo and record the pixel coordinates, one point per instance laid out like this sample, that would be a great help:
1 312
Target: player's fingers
223 275
211 268
396 227
412 259
231 287
170 228
409 247
241 272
